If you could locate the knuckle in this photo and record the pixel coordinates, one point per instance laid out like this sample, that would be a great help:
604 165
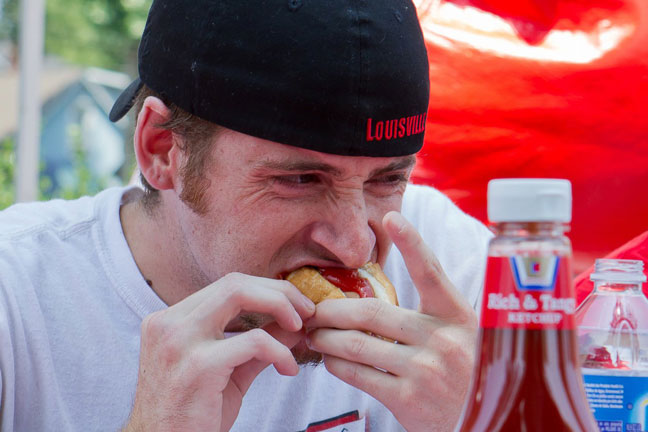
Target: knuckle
357 345
197 360
425 365
231 281
154 326
281 290
236 294
452 348
232 277
354 374
286 287
408 393
469 320
161 336
453 360
198 366
284 284
349 373
258 337
234 287
432 269
373 310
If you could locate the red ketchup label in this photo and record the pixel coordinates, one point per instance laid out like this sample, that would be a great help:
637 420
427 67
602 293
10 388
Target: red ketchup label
531 292
348 281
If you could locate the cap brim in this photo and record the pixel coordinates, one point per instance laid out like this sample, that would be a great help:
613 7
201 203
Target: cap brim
125 101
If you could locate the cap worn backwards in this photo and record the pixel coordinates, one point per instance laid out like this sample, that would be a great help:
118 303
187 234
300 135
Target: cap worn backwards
347 77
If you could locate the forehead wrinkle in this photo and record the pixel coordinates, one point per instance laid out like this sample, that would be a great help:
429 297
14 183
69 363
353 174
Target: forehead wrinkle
404 163
304 166
300 166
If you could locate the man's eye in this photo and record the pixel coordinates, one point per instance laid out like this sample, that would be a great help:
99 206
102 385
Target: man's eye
297 179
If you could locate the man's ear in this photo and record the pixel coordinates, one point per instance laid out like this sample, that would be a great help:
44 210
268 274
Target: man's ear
156 153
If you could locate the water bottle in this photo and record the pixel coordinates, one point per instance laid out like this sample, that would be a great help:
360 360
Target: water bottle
613 346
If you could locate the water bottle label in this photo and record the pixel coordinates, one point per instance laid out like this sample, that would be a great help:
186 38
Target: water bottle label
532 292
619 403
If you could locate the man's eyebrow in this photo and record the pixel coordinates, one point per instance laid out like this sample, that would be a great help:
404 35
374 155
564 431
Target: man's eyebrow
405 163
300 166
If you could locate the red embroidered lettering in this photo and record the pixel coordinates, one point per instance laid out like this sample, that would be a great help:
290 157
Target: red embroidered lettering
410 120
401 127
396 128
369 137
388 130
379 130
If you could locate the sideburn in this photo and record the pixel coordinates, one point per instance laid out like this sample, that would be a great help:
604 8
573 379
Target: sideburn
192 174
193 193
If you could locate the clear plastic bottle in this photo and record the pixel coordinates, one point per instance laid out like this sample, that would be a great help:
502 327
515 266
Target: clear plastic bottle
527 375
613 345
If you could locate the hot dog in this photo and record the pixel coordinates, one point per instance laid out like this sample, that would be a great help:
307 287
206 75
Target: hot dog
320 284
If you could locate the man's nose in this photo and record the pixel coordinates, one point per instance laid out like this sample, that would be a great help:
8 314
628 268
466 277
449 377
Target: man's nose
345 231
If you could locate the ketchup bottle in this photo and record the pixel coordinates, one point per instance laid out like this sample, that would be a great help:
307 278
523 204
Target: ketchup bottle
527 375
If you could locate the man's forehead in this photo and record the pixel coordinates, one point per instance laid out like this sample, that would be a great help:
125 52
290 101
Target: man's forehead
336 165
268 155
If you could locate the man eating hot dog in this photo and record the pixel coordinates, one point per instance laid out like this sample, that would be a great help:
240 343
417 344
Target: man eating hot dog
270 136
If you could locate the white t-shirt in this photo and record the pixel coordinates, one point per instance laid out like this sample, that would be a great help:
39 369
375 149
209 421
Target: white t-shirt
72 301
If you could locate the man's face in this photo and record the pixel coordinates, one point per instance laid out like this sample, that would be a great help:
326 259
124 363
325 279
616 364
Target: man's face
272 208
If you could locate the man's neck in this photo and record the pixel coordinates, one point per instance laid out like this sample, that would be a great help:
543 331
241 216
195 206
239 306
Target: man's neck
150 239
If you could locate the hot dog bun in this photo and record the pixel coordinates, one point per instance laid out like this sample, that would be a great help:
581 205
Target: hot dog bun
314 285
383 288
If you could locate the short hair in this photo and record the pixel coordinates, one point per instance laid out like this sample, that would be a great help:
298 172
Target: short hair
194 137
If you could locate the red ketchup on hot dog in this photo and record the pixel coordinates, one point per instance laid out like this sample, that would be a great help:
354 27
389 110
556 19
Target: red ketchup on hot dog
348 280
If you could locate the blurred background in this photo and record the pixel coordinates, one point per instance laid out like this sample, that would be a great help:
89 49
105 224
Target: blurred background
89 55
542 88
524 88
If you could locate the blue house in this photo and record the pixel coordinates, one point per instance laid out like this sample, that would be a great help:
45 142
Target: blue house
75 125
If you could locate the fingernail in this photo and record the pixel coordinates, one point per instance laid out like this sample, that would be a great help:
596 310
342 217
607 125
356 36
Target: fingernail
297 319
307 339
399 222
308 304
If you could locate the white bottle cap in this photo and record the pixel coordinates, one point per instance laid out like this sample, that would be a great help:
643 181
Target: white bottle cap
529 200
618 270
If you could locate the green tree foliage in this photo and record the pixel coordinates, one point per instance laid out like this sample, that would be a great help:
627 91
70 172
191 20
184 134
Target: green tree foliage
87 183
7 160
9 20
103 33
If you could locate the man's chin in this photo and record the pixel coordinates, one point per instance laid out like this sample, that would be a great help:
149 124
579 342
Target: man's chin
304 355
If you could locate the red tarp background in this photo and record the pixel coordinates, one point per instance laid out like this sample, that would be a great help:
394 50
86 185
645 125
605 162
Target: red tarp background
558 88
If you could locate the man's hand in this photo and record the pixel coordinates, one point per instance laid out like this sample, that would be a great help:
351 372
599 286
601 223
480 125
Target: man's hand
423 379
190 376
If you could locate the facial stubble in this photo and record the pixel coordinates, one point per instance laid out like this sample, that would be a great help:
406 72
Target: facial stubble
248 321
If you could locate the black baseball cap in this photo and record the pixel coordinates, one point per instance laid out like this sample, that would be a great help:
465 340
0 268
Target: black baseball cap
347 77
